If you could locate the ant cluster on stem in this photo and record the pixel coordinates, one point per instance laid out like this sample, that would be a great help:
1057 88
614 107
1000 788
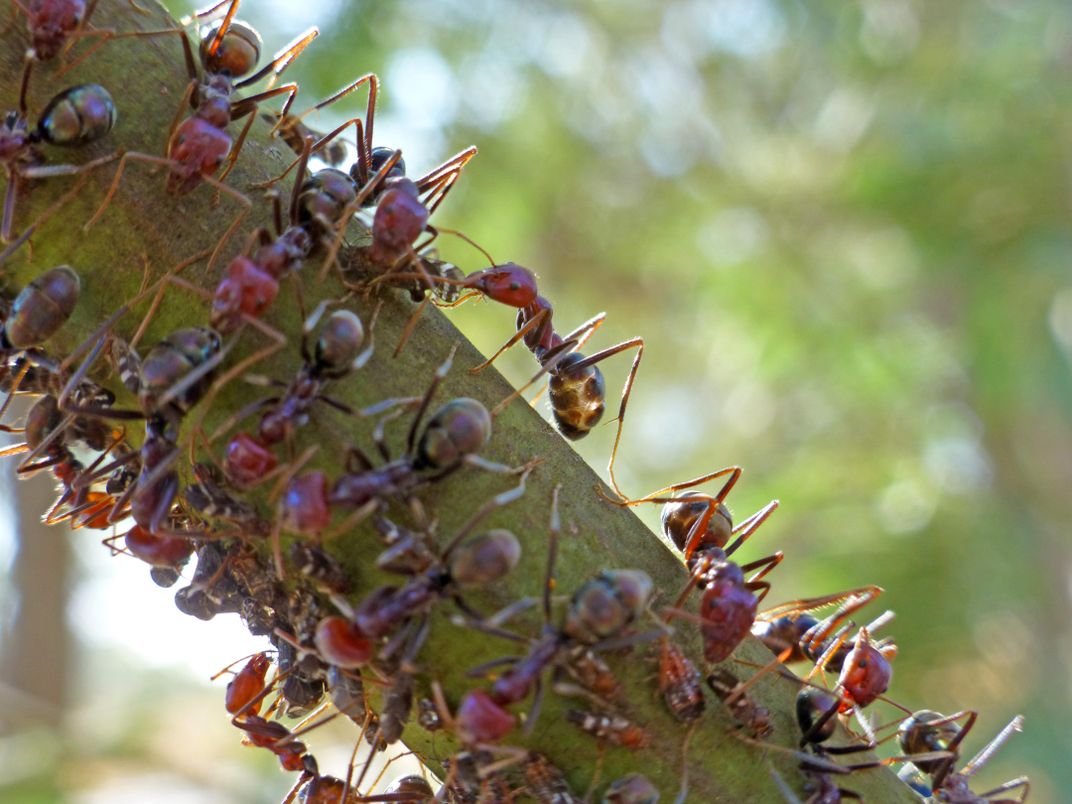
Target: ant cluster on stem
262 517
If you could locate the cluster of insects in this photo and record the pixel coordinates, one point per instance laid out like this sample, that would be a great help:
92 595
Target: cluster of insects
259 517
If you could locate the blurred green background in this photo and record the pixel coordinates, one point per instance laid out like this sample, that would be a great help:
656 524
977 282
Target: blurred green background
843 229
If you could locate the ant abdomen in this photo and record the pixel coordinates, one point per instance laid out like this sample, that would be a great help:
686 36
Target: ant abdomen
577 396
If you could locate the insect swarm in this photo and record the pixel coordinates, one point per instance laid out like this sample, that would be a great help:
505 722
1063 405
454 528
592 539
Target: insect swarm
598 536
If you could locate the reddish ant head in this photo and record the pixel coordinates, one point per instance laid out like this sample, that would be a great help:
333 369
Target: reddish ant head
77 116
481 720
305 504
679 518
198 148
925 731
812 705
50 24
606 604
42 307
577 396
246 290
158 551
322 199
460 427
485 558
246 685
508 284
634 788
728 609
400 218
172 359
341 643
247 460
237 52
866 673
340 341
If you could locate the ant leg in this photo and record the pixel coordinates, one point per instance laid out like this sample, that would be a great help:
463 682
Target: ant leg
364 141
980 759
765 565
742 686
1021 783
498 501
280 61
437 182
659 496
9 206
312 148
551 359
156 160
819 633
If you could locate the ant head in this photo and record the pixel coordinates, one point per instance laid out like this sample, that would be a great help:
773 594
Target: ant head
235 53
866 673
481 720
340 341
606 604
679 518
460 427
485 558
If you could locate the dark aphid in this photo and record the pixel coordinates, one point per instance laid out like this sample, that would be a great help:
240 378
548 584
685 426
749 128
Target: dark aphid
457 429
41 308
604 606
174 359
77 116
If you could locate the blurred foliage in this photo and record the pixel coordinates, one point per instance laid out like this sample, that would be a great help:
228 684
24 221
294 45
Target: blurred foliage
843 229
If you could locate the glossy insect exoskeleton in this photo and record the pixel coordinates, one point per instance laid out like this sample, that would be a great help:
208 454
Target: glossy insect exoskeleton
416 788
41 308
74 118
679 683
243 690
927 731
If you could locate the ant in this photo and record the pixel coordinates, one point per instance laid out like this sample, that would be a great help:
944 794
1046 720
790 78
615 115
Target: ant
77 116
823 642
337 353
466 561
701 526
449 440
929 731
599 614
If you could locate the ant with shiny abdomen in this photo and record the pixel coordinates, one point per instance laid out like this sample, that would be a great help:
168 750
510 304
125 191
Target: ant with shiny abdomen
78 116
929 731
599 615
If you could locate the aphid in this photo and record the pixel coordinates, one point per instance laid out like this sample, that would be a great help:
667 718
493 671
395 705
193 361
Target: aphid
679 683
749 715
928 731
545 782
78 116
611 729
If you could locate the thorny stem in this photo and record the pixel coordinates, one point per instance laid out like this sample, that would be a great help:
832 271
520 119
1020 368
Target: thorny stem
146 228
